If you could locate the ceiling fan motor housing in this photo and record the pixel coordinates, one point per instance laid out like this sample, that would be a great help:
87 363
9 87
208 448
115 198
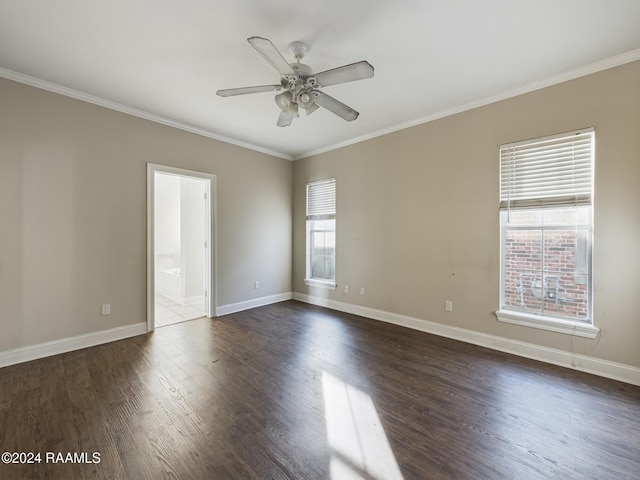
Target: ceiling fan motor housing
300 84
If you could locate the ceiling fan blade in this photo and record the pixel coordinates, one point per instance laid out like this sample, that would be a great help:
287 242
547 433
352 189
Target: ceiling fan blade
231 92
284 120
334 106
271 54
347 73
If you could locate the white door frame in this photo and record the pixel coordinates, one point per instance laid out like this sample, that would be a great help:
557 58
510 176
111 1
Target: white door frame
210 237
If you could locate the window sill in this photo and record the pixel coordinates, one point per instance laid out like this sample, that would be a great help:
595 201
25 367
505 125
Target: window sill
311 282
578 329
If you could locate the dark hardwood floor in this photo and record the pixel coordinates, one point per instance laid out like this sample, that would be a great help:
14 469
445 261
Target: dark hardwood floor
292 391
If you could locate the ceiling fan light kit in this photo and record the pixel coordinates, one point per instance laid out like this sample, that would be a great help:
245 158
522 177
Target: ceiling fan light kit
300 85
306 100
285 101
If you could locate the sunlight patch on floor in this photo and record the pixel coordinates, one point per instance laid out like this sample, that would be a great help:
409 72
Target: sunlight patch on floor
360 448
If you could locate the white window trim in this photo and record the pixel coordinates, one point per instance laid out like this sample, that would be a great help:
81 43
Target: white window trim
553 324
314 282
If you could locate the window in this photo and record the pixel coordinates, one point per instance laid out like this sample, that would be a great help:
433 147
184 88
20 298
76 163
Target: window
546 228
321 233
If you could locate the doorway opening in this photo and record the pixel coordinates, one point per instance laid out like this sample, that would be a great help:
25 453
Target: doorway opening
180 245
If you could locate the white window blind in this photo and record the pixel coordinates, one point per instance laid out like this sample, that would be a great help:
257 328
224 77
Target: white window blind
550 171
321 200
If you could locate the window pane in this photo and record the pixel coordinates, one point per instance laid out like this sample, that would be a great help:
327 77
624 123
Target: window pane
549 216
524 217
523 270
323 249
546 268
317 240
565 290
566 216
319 225
323 267
330 241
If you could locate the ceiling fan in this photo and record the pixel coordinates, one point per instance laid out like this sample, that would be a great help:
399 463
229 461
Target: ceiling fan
300 85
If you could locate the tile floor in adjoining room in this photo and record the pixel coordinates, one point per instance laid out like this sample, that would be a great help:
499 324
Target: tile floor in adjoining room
169 312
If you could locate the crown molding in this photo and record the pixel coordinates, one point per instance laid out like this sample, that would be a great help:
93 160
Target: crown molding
103 102
583 71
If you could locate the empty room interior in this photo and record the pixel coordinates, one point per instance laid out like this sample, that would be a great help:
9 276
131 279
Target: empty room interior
421 261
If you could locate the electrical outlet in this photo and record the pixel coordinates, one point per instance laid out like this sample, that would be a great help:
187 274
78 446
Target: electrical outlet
362 291
448 306
346 289
106 309
257 284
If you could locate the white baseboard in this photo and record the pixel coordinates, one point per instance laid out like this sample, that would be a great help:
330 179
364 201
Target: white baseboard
63 345
55 347
256 302
583 363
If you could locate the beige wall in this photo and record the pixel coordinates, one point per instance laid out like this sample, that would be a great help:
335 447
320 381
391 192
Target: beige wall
417 213
73 215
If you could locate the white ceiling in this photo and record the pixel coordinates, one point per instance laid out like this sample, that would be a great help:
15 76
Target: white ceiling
165 59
